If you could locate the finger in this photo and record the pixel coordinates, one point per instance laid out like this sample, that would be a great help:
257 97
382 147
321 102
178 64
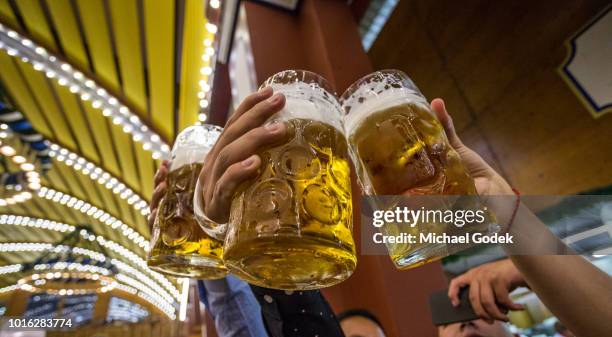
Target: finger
455 287
151 218
161 173
248 103
503 298
218 207
475 301
446 120
247 144
251 119
157 195
487 299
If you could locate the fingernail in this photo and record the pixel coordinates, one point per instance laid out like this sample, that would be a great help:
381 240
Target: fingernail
249 161
275 98
274 126
265 90
455 303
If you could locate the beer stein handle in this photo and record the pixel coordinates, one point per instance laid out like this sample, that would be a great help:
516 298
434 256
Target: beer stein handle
210 227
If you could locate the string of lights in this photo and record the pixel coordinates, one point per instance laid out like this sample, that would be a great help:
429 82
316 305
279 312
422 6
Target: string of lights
39 247
32 177
101 176
94 212
9 219
207 70
157 296
78 83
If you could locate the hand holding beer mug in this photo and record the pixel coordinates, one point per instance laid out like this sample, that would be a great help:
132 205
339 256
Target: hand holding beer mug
179 246
400 148
290 224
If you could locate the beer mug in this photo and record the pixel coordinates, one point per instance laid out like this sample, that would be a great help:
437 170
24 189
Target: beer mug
399 147
179 245
291 226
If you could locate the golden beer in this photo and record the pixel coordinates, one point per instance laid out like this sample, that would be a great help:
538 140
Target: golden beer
179 245
291 226
400 148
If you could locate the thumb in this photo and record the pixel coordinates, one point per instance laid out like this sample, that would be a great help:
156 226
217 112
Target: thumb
438 106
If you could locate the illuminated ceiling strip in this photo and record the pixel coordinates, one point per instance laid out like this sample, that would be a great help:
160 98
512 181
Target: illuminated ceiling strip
144 292
11 247
94 212
9 219
42 60
101 176
184 299
374 19
150 286
206 71
32 176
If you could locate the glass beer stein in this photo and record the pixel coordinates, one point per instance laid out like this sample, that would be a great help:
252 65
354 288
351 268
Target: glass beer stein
399 148
291 226
179 245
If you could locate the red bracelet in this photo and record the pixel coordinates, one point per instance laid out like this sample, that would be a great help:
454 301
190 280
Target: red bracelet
516 207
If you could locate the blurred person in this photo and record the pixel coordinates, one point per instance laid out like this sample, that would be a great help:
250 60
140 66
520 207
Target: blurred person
475 328
360 323
562 331
585 307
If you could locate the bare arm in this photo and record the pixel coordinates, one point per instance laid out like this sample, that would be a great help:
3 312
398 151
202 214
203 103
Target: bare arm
577 292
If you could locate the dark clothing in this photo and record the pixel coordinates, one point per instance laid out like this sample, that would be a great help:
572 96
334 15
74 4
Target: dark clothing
297 313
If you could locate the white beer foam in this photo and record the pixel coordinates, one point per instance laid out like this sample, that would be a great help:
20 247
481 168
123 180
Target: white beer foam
376 98
193 144
308 101
187 156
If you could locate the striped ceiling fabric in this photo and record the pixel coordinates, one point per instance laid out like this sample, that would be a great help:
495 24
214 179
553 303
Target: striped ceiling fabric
108 85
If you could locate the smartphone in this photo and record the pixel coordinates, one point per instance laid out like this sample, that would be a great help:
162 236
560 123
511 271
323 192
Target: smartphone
443 312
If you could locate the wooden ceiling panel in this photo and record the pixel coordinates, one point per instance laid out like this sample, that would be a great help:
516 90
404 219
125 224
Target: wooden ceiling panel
96 31
6 13
68 33
71 106
159 36
101 134
193 37
19 91
45 97
126 31
125 152
146 171
108 199
36 22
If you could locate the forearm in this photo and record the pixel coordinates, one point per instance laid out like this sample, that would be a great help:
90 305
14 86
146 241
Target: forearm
578 293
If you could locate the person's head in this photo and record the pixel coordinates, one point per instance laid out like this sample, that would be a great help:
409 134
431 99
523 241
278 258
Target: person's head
562 330
475 328
360 323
